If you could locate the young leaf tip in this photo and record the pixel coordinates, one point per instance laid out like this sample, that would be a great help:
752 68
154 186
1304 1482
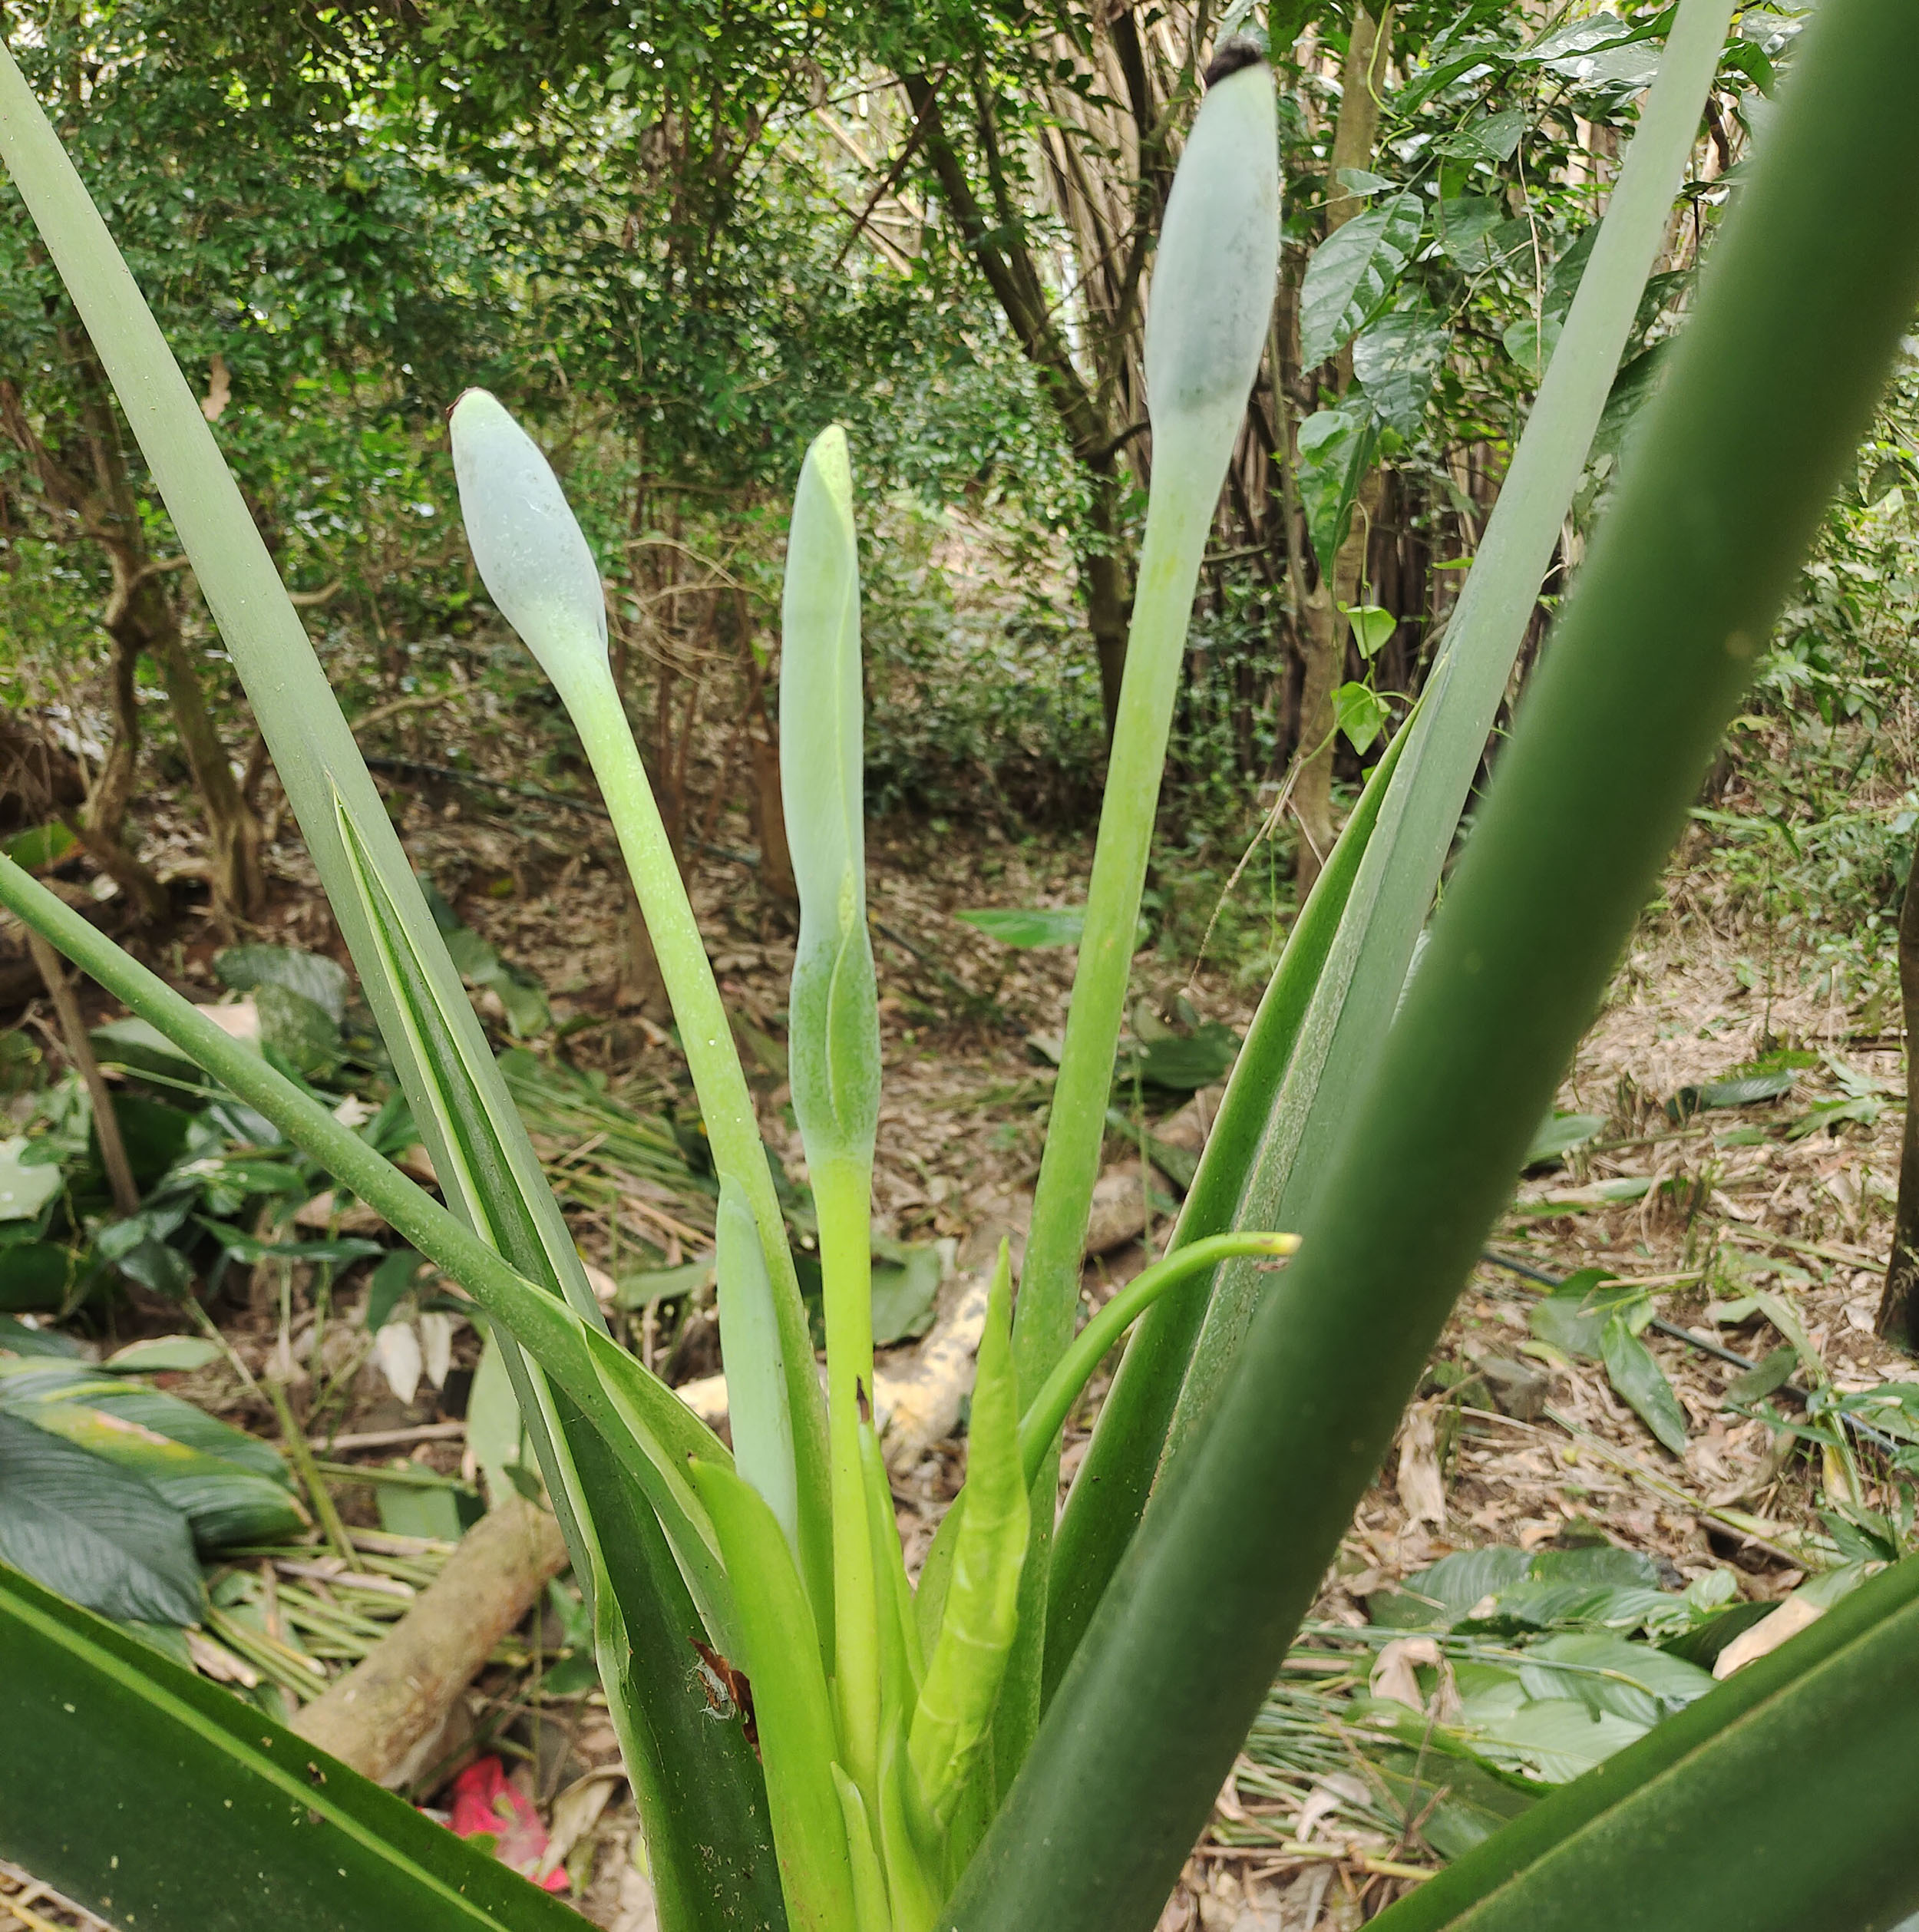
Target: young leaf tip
829 457
526 543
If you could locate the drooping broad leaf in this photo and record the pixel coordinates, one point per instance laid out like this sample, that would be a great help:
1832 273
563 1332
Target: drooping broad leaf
99 1534
1352 273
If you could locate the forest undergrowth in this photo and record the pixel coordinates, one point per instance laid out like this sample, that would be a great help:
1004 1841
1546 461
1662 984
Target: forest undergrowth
1699 1431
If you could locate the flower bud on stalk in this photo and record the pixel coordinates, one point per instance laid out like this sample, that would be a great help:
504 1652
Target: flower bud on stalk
835 1041
526 544
537 566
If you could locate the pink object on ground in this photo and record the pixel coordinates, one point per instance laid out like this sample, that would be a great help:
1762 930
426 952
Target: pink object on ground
485 1804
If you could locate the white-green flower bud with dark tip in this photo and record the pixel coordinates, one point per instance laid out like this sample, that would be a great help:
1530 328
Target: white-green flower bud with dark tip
1215 270
526 543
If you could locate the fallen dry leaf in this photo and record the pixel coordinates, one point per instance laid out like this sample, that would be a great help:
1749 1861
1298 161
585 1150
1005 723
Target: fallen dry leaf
397 1349
1393 1674
436 1344
1421 1489
1767 1635
575 1812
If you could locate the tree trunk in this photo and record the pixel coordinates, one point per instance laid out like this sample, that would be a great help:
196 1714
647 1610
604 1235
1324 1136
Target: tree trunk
141 618
1897 1307
113 789
102 828
1323 629
767 812
1105 576
232 825
1084 409
1326 630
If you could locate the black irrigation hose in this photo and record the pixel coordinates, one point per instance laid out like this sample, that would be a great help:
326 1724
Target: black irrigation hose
1685 1335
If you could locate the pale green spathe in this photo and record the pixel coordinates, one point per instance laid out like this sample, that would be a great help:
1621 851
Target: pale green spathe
526 543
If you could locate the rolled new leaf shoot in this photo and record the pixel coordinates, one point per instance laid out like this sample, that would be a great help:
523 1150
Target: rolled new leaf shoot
780 1653
835 1046
834 1035
968 1663
762 1425
1046 1413
526 544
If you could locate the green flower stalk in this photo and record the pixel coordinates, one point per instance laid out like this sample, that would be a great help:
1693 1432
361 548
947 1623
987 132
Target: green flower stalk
539 571
834 1035
1206 328
1206 323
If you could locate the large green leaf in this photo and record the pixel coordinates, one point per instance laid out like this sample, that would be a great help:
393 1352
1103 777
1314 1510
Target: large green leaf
713 1857
1702 1823
1116 1475
1634 1371
100 1534
1352 273
154 1799
230 1487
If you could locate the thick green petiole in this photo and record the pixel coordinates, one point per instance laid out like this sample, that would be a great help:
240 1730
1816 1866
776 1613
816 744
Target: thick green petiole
841 1191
